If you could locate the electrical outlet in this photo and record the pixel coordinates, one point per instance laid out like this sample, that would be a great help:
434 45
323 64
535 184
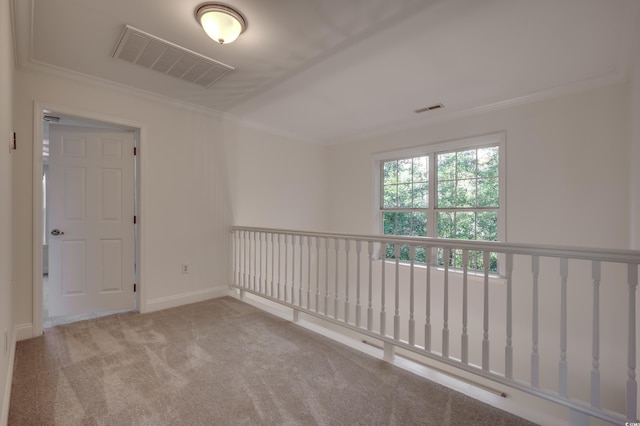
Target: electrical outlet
185 268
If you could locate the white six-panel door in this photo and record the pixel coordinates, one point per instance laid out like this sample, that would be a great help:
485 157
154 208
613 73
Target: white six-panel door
90 204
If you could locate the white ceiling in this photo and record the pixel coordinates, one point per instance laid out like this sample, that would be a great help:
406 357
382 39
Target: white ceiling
331 70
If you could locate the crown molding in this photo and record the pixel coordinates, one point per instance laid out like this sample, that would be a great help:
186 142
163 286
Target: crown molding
14 35
617 75
267 129
74 76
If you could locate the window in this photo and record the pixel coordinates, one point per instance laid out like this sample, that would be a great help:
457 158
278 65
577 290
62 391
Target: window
452 190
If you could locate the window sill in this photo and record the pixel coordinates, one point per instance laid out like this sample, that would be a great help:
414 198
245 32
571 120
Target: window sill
472 275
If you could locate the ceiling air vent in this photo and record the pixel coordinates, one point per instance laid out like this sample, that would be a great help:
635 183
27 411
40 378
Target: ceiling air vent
152 52
429 108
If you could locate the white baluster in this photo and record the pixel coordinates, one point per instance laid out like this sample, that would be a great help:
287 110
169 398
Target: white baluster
464 340
255 261
412 321
251 250
346 282
264 252
238 276
595 340
427 320
259 260
234 258
240 256
485 333
246 258
293 269
279 265
445 325
239 271
563 366
249 258
317 274
286 265
326 276
266 263
632 387
252 260
335 294
383 314
309 273
243 248
273 262
370 306
396 317
358 308
239 259
301 269
508 350
535 358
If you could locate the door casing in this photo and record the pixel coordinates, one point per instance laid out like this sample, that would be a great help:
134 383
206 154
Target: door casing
140 135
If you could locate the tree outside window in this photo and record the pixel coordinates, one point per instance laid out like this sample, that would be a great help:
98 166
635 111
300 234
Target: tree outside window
464 185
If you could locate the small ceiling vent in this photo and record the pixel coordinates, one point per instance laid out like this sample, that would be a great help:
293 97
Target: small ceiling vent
429 108
152 52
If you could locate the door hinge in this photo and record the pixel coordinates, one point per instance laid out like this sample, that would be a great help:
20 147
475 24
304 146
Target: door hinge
135 220
134 287
135 150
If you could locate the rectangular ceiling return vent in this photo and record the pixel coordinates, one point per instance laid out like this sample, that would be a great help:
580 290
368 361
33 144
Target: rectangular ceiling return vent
152 52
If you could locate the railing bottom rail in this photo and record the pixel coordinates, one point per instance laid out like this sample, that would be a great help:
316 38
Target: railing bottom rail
399 290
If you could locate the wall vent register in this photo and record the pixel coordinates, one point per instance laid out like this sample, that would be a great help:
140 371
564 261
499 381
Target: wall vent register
429 108
152 52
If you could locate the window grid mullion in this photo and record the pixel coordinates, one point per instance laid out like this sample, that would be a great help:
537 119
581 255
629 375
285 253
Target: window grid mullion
432 225
432 210
476 180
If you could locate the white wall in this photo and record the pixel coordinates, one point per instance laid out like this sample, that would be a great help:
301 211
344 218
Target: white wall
567 184
274 181
185 211
199 175
567 168
6 125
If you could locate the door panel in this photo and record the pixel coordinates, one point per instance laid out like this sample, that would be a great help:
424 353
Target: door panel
111 202
111 265
75 193
91 203
73 270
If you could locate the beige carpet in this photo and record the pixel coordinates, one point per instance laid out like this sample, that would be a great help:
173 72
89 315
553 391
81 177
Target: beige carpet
220 362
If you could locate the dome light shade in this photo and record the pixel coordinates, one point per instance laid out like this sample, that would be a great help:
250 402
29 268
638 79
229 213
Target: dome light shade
222 23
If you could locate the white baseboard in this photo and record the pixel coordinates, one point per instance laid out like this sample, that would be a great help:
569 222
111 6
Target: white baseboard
4 414
24 332
518 403
185 298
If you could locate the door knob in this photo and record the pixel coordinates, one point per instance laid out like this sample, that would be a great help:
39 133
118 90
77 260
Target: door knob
57 232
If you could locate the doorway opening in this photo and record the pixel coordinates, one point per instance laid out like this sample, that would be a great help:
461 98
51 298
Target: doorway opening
47 285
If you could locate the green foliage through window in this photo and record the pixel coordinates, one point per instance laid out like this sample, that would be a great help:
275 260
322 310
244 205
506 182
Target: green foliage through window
467 202
468 179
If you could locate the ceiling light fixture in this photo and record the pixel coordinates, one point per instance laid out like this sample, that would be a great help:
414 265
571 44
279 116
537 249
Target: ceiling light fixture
221 22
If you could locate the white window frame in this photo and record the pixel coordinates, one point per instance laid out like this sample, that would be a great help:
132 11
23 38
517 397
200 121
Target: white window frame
432 150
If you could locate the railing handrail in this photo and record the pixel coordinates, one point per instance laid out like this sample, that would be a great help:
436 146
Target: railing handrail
268 261
581 253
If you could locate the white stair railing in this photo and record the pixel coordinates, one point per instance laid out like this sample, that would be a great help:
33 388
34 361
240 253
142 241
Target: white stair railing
544 292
